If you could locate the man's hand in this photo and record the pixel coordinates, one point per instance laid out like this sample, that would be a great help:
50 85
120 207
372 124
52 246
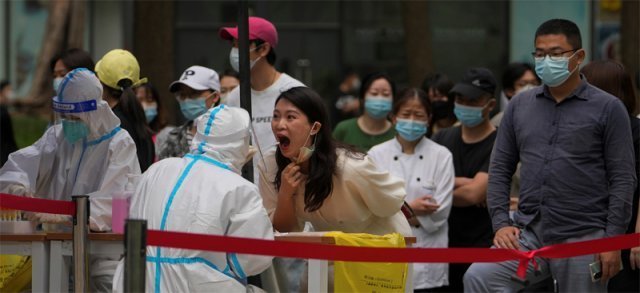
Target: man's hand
610 262
507 237
424 205
634 258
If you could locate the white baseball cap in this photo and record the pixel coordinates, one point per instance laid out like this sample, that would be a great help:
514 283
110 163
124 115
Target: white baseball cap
198 78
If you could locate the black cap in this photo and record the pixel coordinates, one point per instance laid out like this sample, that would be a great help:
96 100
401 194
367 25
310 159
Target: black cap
475 83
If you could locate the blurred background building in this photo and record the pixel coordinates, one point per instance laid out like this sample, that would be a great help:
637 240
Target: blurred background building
318 39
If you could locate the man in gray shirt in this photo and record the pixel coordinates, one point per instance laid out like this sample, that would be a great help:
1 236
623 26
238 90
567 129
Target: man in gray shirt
577 176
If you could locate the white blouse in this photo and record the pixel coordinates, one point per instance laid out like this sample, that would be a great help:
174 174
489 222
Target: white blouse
363 200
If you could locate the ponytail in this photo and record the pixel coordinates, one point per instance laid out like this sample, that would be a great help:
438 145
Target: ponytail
131 108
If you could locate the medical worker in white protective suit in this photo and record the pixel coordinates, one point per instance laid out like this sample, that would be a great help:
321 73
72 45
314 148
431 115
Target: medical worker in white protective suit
203 193
84 153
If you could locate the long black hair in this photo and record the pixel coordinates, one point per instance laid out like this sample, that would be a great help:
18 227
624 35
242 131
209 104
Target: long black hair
131 107
323 162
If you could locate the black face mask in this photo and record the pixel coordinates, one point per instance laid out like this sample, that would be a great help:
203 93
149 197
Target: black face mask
441 110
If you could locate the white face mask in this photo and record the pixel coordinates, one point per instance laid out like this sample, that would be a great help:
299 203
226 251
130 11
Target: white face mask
234 59
56 83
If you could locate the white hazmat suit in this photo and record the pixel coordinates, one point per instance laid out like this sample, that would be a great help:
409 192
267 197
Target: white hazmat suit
203 193
96 163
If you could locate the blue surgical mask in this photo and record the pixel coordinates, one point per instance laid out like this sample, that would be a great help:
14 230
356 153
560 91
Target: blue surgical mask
234 59
554 72
151 113
468 116
74 130
377 106
56 83
192 108
411 130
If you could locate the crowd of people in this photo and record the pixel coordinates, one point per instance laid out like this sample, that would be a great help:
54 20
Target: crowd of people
552 158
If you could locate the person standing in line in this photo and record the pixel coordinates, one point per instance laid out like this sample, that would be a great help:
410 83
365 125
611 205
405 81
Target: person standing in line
345 103
611 77
517 77
154 111
7 141
438 87
229 80
119 72
470 144
311 178
267 83
577 175
197 90
373 126
427 170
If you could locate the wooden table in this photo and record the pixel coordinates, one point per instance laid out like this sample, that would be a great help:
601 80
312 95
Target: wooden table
36 246
318 278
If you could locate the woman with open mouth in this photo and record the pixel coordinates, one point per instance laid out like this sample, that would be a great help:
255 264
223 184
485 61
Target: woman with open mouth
310 177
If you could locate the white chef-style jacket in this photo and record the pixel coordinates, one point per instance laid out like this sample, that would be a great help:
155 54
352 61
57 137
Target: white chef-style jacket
428 171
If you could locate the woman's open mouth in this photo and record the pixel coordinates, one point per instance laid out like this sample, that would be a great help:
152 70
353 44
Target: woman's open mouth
283 142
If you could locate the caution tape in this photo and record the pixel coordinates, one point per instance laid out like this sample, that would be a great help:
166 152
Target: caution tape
38 205
342 253
369 254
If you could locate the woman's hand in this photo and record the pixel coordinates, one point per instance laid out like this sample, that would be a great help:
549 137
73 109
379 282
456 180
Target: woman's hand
284 217
291 179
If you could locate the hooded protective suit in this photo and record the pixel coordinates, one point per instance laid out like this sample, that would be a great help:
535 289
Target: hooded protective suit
86 153
96 164
203 193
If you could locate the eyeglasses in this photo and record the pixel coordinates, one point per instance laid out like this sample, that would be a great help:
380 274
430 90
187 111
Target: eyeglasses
554 56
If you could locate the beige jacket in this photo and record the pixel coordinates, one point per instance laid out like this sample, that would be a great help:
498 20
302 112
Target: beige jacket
364 200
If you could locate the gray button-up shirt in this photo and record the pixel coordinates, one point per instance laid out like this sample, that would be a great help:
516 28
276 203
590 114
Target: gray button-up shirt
577 159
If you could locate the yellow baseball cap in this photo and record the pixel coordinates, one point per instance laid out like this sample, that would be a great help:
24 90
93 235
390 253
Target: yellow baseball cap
117 65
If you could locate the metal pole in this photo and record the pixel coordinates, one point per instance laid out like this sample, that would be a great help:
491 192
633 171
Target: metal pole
80 247
135 255
245 71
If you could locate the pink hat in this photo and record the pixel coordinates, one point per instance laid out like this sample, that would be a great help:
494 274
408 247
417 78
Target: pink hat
259 28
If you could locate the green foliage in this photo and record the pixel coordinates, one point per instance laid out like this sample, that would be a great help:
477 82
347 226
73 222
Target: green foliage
27 128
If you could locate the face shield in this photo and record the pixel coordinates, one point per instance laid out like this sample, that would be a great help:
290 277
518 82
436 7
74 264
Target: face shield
223 134
75 107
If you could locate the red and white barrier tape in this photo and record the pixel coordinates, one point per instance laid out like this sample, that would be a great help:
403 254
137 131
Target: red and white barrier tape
341 253
38 205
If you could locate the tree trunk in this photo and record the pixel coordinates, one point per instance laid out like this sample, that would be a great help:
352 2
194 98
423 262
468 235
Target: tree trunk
75 31
153 47
415 15
53 41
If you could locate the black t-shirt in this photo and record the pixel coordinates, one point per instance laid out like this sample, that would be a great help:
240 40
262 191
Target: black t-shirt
144 147
7 140
468 226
